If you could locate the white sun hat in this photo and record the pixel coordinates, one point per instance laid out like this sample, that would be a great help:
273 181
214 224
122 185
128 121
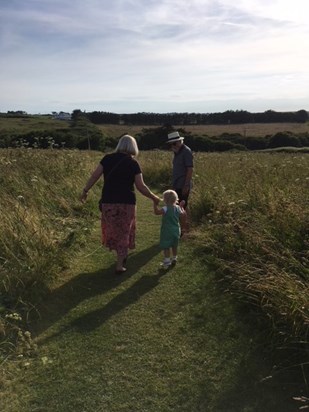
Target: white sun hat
174 137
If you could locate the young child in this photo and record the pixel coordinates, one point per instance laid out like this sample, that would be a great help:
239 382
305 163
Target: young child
173 217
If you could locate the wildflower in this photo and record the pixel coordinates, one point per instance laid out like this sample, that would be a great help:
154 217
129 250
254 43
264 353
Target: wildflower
13 316
44 360
20 197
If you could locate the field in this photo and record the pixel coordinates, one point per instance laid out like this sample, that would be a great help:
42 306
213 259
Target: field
253 202
248 246
31 123
254 129
23 125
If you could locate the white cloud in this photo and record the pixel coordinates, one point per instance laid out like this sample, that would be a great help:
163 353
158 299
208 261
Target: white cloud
153 55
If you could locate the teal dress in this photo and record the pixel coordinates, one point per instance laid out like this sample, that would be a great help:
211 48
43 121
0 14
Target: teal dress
170 227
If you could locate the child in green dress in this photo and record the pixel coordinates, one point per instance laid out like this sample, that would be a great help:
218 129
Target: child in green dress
173 217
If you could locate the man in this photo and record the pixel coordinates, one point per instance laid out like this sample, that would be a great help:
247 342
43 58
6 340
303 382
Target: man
182 166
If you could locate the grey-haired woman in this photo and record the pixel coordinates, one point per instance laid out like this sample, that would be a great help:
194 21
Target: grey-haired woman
121 172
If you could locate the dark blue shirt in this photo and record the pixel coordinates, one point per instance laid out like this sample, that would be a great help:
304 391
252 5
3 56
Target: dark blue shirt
182 160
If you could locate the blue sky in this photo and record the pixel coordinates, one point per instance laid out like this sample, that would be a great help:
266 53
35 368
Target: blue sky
127 56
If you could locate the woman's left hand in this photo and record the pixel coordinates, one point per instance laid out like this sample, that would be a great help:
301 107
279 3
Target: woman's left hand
156 200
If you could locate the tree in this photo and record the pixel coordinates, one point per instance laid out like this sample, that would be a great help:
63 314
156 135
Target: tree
283 139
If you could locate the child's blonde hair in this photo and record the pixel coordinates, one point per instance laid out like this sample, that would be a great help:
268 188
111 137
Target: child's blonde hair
170 197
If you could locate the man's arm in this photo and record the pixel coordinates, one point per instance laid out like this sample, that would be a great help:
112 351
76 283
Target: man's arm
187 184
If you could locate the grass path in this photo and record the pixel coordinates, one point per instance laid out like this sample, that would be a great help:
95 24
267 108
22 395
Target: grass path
149 341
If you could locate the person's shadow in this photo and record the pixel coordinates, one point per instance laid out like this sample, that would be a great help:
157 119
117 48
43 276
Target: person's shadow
87 285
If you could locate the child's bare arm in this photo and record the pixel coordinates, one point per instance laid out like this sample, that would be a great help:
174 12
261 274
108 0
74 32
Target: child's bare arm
157 210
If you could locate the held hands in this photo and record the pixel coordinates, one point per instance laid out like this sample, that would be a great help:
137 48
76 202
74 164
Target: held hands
156 200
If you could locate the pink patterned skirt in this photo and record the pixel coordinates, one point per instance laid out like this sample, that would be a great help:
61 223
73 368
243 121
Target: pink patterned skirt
118 225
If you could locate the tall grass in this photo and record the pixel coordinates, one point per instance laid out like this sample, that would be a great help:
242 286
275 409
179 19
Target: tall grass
254 214
42 223
249 214
41 215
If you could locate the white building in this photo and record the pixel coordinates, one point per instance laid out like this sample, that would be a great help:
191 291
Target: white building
61 116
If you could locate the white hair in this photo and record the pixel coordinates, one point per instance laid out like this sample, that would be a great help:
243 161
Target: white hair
127 144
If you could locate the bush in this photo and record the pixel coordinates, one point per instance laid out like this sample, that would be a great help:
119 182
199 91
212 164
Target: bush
283 139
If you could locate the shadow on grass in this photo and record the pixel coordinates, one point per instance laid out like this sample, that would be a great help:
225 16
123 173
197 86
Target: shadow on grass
93 320
85 286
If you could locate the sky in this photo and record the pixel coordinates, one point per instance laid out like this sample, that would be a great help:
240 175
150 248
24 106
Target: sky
162 56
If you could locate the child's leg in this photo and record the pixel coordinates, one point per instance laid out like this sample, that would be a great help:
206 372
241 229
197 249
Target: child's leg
174 251
167 260
166 253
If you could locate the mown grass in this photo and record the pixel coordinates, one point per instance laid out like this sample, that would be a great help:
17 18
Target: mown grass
149 341
249 214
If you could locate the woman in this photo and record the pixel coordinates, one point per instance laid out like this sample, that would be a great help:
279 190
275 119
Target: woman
121 172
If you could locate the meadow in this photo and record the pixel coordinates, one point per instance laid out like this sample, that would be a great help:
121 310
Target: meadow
249 227
249 212
31 123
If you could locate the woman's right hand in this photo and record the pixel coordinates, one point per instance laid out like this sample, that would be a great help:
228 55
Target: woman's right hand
83 196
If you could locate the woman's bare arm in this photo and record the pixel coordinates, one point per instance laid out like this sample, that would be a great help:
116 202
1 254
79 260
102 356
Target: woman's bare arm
144 189
95 176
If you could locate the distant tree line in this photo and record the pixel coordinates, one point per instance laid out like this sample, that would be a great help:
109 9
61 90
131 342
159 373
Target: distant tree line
153 119
84 134
227 117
